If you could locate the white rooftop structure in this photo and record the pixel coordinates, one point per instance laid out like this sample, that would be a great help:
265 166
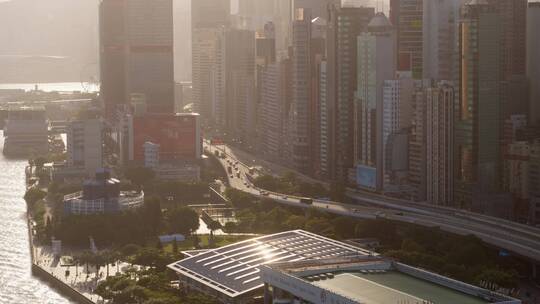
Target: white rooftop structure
233 270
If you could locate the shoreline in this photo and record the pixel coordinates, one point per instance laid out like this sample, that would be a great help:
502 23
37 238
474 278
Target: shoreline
39 272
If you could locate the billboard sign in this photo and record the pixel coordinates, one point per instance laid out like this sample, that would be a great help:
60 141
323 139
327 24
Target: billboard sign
366 177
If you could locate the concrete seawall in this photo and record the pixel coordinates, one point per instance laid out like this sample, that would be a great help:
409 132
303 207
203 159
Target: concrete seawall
45 276
59 285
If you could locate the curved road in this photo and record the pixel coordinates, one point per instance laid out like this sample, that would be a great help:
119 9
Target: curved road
517 238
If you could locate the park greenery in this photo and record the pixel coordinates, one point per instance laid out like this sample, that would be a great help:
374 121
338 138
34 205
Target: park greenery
290 184
465 258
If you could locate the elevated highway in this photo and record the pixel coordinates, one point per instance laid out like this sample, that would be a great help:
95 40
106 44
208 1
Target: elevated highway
519 239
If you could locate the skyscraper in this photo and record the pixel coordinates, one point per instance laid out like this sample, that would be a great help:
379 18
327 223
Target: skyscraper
440 37
209 21
439 143
301 117
407 16
376 63
533 61
344 26
477 123
136 39
240 106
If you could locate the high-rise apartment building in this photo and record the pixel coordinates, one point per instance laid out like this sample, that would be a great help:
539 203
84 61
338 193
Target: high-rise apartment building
439 143
376 63
209 21
407 16
533 61
136 38
345 25
397 116
301 116
273 96
477 124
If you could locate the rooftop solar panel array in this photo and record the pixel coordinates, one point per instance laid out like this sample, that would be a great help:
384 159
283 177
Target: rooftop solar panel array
233 270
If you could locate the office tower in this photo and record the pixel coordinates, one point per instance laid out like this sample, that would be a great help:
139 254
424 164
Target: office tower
534 183
283 14
319 8
209 21
375 64
407 16
440 37
344 26
256 13
84 145
513 19
513 50
240 107
113 56
266 45
533 61
136 39
477 124
439 143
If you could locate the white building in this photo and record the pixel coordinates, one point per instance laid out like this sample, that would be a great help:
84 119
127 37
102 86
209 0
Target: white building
376 63
85 145
365 280
396 119
25 132
151 155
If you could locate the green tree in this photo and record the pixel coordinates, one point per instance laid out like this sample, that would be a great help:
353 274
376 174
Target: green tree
153 214
139 175
175 246
33 195
183 220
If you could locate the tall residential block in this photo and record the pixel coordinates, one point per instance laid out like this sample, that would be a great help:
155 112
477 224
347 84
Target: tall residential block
376 63
136 53
344 26
439 143
477 157
301 116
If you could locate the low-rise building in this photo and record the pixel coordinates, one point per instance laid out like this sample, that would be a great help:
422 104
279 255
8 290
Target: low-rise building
101 195
296 267
26 132
366 280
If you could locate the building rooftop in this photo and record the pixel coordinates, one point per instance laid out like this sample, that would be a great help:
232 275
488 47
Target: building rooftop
375 280
234 270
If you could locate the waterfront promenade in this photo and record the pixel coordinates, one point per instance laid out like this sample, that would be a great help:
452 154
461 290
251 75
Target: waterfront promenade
76 282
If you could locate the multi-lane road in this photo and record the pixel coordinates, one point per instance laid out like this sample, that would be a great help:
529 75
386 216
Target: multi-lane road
517 238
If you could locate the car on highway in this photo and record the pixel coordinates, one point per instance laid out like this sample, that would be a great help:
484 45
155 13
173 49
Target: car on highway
306 201
285 197
265 193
